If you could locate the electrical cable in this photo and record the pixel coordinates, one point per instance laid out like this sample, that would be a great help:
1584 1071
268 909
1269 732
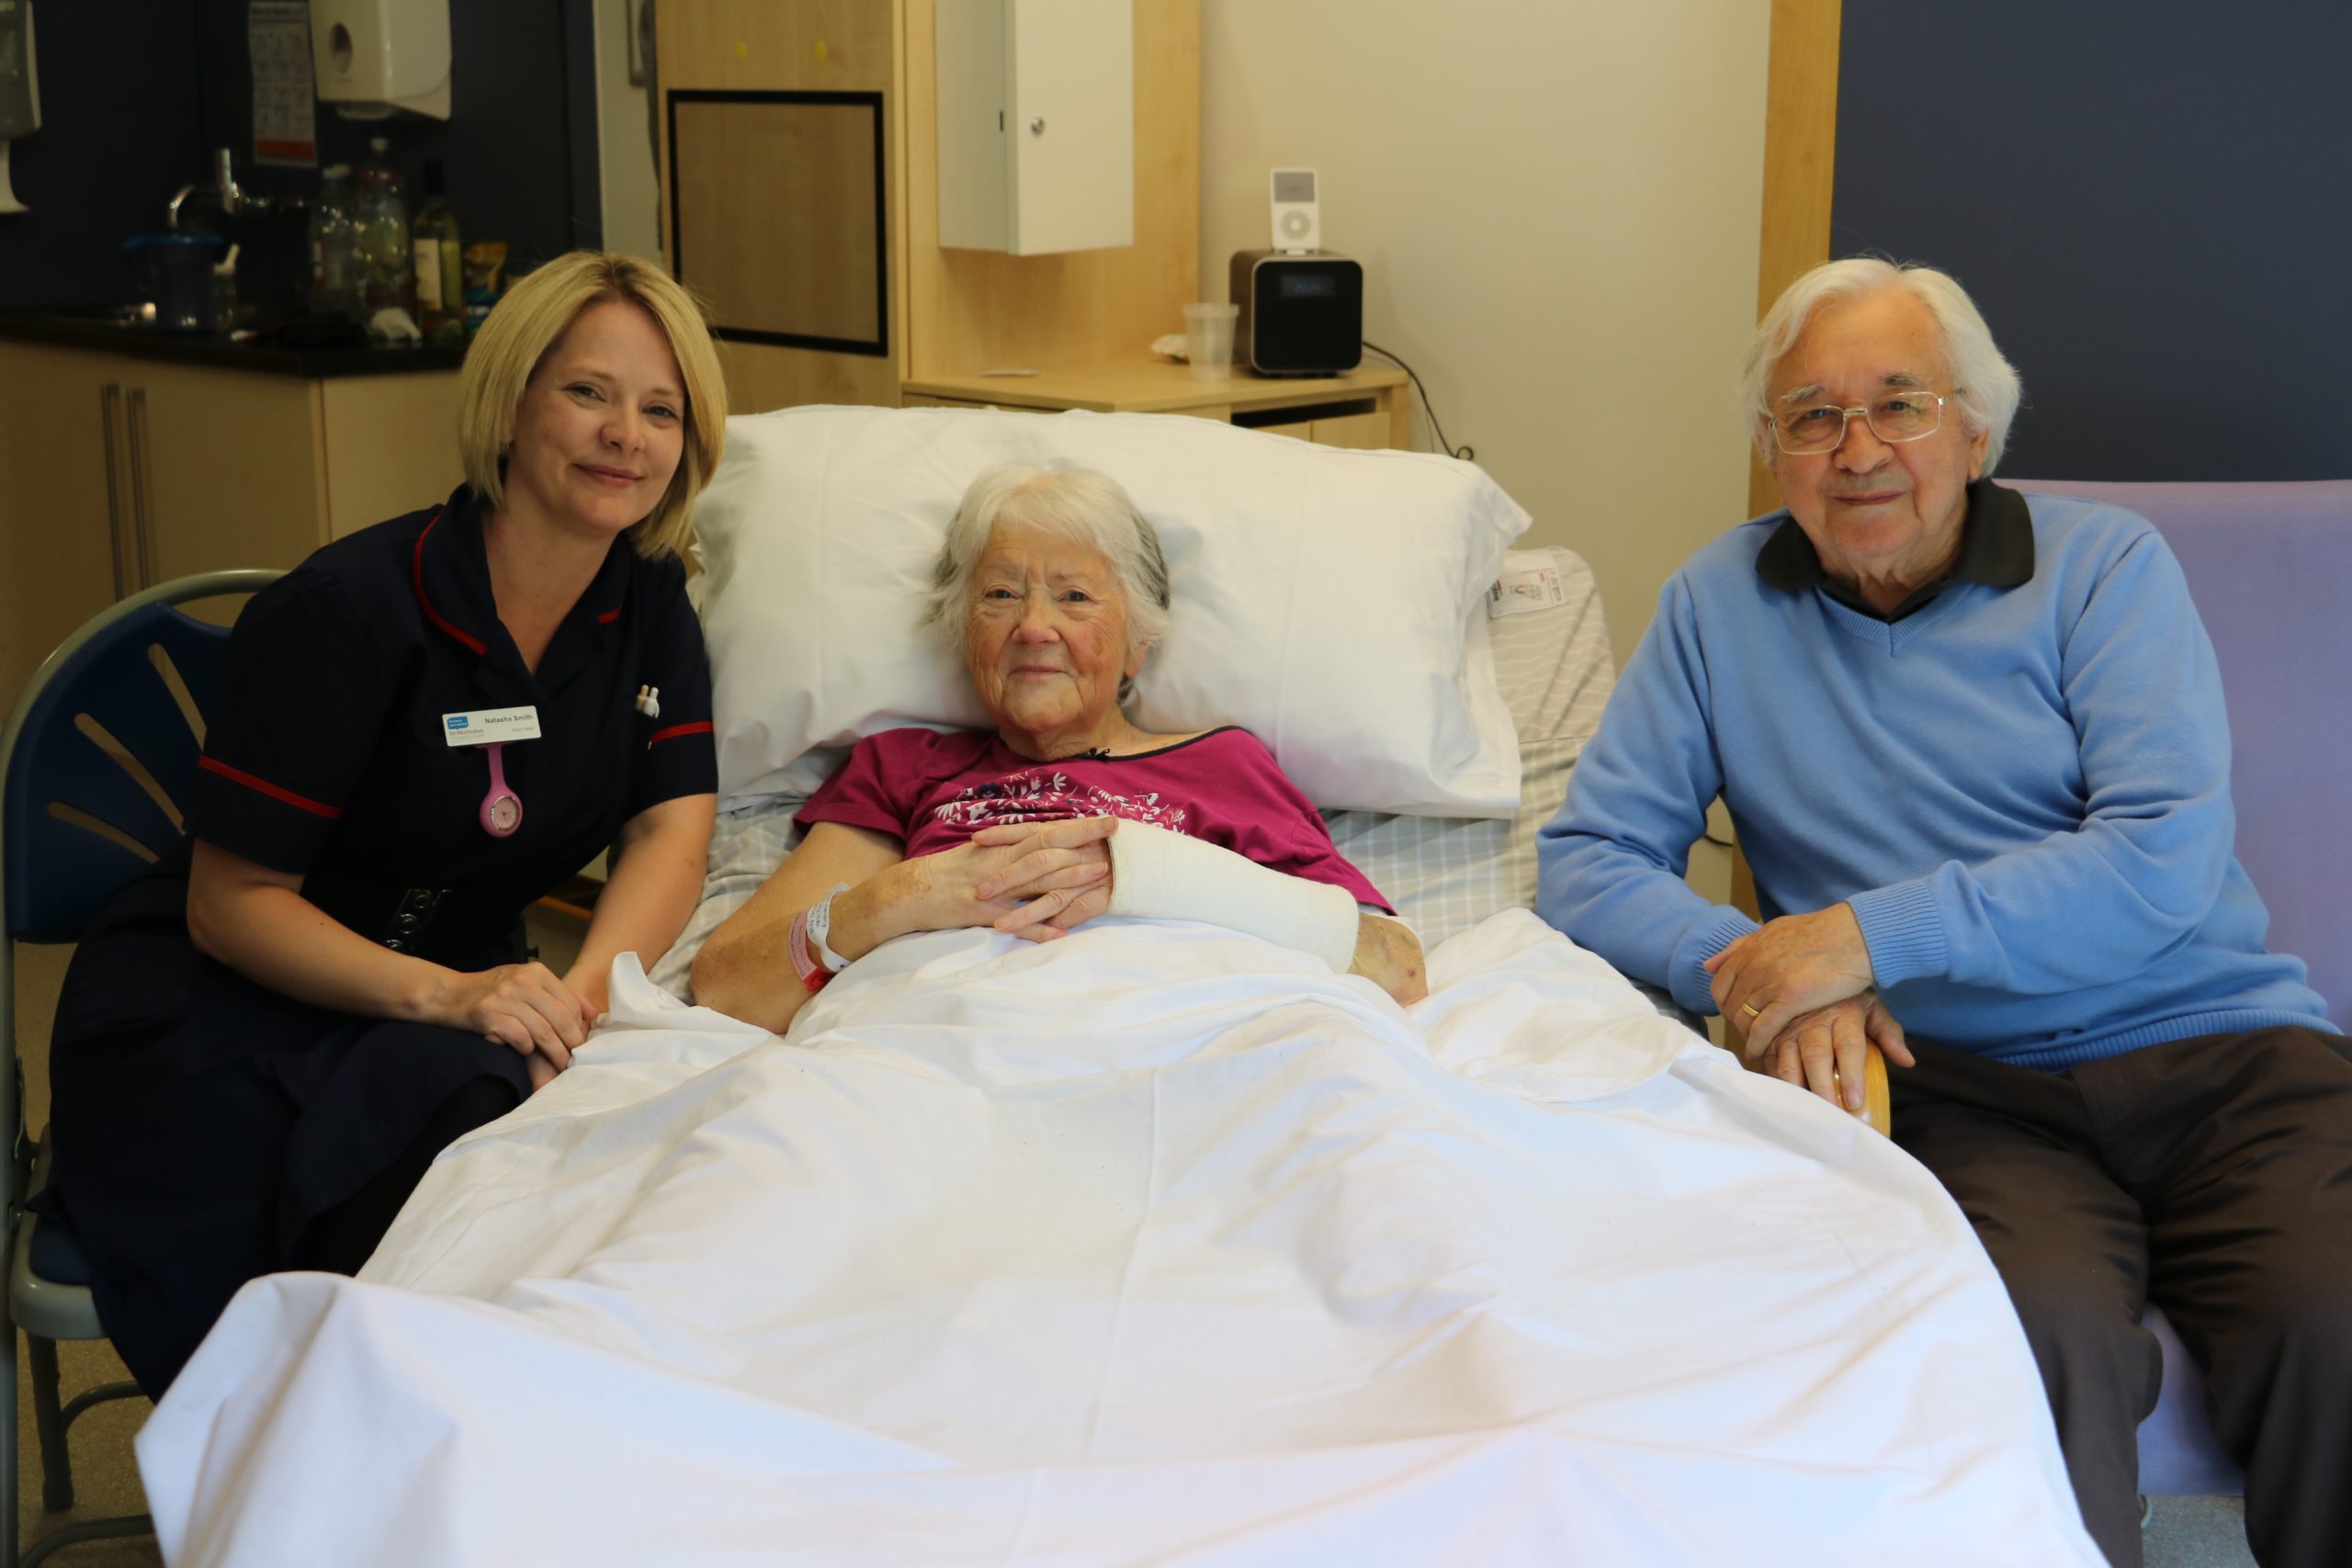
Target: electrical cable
1436 430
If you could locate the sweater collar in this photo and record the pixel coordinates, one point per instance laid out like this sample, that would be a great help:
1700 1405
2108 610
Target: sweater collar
1996 548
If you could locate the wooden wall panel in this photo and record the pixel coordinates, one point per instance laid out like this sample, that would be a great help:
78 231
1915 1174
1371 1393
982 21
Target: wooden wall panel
1800 166
956 312
972 311
808 46
796 46
760 376
776 215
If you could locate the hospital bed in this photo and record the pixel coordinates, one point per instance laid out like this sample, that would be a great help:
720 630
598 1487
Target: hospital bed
1155 1245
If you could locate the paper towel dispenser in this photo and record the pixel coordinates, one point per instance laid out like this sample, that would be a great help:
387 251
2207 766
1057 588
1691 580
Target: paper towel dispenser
372 57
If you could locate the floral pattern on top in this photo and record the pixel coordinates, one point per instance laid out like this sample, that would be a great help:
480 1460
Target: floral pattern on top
1036 797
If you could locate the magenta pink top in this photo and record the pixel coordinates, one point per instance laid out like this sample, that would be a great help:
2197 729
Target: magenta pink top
936 791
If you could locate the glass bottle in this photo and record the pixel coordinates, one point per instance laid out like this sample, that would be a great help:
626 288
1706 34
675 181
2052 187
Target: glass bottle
387 270
336 287
440 278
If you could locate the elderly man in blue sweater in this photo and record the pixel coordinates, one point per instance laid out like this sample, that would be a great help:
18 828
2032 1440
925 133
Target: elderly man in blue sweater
1974 746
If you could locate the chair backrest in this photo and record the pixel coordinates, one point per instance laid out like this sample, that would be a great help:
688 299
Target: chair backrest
2268 566
101 752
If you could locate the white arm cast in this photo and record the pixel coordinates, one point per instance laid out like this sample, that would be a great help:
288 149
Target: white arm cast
1160 876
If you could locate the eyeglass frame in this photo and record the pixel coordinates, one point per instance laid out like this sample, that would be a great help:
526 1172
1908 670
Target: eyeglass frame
1846 419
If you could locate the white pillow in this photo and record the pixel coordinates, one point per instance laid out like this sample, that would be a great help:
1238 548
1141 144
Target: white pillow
1330 602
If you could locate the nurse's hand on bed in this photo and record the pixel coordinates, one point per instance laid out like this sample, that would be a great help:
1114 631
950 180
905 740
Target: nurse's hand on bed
1788 967
1825 1050
524 1007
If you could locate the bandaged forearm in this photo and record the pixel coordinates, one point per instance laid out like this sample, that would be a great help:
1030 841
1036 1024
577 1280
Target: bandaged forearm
1160 876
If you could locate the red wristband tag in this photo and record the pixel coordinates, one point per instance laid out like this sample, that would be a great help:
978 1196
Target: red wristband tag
812 974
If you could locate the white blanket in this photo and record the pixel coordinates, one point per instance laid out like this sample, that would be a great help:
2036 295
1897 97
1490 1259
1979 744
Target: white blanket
1153 1245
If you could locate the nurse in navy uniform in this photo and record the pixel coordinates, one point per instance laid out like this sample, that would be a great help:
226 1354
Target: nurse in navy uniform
261 1045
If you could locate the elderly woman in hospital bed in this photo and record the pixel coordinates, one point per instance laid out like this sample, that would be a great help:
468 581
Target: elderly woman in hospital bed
1155 1243
1056 587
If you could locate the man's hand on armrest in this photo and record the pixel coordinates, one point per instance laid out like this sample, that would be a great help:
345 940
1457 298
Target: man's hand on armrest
1789 966
1828 1050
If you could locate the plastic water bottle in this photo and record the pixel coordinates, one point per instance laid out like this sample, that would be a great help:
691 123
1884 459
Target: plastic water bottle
387 270
334 249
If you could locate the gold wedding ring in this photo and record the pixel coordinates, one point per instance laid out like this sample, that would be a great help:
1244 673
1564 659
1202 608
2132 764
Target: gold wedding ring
1751 1009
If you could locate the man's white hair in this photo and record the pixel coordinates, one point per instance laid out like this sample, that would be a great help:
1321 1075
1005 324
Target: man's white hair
1086 507
1984 384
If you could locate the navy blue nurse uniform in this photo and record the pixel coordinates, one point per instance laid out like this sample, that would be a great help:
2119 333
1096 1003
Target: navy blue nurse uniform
201 1122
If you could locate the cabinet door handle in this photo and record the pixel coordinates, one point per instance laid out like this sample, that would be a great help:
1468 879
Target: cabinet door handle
141 489
109 395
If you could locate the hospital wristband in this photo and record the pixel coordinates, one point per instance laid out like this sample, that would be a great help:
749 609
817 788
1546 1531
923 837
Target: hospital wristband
820 927
813 960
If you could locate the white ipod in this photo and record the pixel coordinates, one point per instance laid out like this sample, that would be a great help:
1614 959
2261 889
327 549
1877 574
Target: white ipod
1298 221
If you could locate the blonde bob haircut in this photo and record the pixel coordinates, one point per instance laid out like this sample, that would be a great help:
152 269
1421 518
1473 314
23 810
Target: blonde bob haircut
537 311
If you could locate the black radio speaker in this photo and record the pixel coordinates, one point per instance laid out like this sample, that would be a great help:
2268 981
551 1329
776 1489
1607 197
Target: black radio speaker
1301 314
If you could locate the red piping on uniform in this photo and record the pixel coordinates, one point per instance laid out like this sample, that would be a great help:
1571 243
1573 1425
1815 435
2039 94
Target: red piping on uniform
609 617
299 801
677 729
416 578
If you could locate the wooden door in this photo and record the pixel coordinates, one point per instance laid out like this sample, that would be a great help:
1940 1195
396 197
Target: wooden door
1070 125
391 445
59 538
228 470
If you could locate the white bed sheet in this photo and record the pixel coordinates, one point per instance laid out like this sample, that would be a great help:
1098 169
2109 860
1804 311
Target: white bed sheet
1153 1246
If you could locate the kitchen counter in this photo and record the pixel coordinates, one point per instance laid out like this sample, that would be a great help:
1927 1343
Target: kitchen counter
87 331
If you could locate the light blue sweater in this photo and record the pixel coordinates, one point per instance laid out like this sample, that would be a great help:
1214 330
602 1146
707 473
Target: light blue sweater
2023 793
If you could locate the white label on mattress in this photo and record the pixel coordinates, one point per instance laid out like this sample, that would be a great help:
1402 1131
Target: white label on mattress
1530 581
485 726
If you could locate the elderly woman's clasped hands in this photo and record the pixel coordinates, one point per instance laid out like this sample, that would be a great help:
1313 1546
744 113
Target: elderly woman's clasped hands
1037 880
1802 987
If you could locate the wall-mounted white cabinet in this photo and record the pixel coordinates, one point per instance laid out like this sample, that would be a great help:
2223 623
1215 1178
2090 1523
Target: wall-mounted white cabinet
1036 124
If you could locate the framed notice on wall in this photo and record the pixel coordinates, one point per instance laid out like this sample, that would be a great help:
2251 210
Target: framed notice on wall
777 215
278 38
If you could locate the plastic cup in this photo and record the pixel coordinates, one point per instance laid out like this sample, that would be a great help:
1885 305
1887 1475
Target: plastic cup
1208 333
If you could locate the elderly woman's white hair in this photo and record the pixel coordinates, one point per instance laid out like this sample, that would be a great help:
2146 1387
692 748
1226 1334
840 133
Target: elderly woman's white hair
1983 383
1086 507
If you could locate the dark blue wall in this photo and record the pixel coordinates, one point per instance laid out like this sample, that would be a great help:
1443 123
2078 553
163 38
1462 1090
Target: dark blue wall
2151 203
133 92
119 135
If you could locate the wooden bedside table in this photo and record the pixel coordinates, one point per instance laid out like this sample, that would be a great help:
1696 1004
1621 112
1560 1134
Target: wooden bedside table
1364 407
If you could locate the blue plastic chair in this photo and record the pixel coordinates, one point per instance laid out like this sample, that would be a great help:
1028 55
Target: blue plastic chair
92 765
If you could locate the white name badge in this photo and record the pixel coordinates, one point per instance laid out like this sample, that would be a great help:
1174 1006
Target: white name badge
489 726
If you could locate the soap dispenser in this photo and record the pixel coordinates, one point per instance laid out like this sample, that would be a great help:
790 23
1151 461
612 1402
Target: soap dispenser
372 57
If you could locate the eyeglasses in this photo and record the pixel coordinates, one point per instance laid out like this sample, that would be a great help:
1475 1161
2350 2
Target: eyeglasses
1893 417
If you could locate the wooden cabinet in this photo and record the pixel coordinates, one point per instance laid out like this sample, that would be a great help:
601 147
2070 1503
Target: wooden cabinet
62 506
117 472
730 221
1036 124
223 469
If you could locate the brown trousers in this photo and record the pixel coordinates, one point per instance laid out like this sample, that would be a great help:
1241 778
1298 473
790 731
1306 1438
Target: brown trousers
2213 1175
